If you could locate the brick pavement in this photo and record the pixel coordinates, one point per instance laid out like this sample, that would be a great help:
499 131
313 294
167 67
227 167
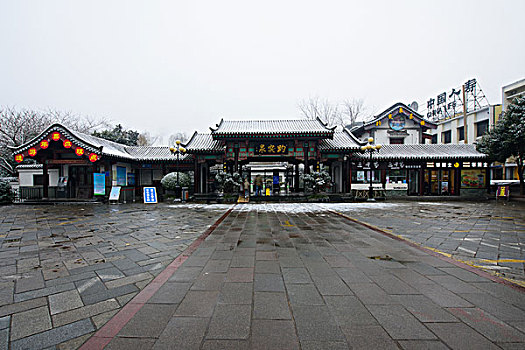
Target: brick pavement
303 279
490 235
65 270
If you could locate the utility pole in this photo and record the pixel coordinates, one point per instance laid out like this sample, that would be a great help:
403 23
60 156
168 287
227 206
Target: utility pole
465 138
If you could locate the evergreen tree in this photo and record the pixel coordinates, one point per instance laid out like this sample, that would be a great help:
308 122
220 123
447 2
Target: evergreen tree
119 135
507 138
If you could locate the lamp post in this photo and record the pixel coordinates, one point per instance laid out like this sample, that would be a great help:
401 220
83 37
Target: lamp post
370 148
178 150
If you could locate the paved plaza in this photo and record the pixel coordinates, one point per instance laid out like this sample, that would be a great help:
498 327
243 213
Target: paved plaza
277 276
489 235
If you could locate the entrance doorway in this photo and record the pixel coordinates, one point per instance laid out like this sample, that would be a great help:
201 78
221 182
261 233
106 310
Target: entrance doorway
439 182
80 182
277 177
413 182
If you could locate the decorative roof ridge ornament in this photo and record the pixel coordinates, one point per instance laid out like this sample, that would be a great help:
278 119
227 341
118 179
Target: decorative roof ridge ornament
396 109
56 127
217 126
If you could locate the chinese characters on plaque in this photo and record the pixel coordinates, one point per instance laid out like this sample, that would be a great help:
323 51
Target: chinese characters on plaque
269 148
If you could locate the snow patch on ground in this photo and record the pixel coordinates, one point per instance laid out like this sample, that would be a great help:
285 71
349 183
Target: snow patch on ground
292 207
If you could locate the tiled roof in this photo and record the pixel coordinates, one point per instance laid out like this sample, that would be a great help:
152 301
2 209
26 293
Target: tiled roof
427 151
274 127
358 129
104 147
152 153
30 166
342 141
204 143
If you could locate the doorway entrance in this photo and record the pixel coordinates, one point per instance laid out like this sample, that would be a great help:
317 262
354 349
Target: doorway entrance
439 182
80 182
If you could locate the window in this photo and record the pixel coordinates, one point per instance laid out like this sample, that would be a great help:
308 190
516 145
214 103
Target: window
396 176
446 136
482 127
434 140
397 141
461 133
38 180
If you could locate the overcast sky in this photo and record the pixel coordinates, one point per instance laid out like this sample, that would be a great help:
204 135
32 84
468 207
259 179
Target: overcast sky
163 66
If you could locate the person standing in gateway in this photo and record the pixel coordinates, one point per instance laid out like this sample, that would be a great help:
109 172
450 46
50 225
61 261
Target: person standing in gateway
258 185
246 188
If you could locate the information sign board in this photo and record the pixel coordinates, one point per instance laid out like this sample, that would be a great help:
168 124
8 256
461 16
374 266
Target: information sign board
131 179
503 191
150 195
115 193
99 184
121 176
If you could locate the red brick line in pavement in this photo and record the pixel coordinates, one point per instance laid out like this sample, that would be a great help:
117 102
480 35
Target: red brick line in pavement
435 254
105 334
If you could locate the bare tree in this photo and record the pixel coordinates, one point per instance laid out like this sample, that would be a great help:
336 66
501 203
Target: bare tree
335 114
352 111
179 135
323 109
17 126
146 139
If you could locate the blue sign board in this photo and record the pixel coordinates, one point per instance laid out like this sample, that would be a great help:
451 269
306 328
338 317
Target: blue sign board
121 176
150 195
276 179
99 184
131 179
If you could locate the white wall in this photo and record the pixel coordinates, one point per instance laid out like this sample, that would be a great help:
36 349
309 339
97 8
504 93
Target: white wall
382 135
25 176
454 123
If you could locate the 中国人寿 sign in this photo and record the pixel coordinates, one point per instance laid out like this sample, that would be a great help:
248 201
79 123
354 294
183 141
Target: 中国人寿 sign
269 148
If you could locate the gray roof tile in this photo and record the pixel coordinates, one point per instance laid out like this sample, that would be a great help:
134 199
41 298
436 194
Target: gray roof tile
204 143
300 126
426 151
342 141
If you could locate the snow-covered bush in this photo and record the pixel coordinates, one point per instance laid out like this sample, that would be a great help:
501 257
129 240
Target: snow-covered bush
169 181
316 181
6 193
228 183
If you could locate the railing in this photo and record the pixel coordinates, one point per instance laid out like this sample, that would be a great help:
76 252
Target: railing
33 193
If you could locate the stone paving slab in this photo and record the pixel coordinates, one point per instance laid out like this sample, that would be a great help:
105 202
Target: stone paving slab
490 234
311 278
331 292
65 270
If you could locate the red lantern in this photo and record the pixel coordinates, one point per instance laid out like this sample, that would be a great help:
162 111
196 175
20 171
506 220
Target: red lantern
44 144
55 136
93 157
67 144
19 158
79 151
32 152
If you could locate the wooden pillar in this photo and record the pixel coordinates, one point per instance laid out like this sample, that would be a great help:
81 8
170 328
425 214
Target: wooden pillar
349 176
421 181
206 177
306 149
457 179
45 173
383 178
196 177
236 151
296 177
487 179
